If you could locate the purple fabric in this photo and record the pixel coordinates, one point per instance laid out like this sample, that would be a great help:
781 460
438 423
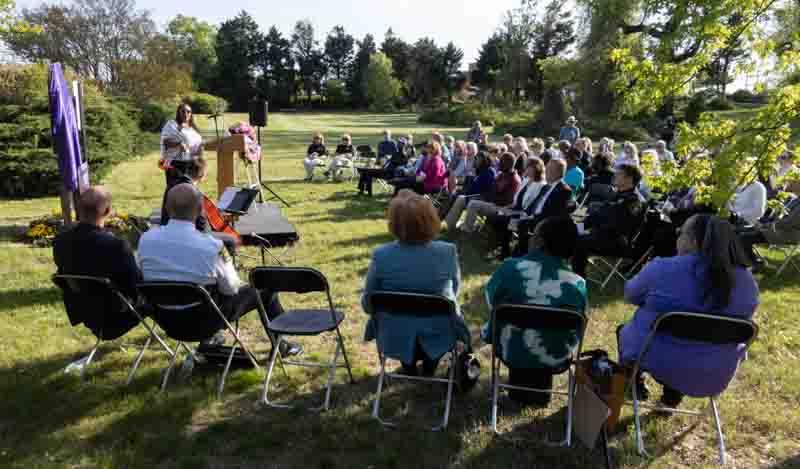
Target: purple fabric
65 129
677 284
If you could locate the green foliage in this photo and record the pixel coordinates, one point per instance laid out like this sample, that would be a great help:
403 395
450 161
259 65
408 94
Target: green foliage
747 97
336 93
22 84
195 40
383 88
152 116
203 103
467 113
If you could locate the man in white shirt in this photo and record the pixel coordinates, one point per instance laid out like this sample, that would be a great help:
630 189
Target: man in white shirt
749 203
664 155
178 252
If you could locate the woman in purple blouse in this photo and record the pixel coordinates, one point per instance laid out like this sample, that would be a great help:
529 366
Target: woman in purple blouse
707 276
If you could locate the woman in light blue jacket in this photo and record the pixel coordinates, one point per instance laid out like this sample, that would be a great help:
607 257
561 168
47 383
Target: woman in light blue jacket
415 263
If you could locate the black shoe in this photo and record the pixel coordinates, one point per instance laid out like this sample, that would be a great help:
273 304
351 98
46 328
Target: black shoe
290 349
671 398
217 339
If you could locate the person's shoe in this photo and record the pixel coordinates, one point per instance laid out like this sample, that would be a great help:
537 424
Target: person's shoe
217 339
760 265
327 174
671 398
290 349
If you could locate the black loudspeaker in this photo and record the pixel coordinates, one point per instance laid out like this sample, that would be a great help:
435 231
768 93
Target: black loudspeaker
259 112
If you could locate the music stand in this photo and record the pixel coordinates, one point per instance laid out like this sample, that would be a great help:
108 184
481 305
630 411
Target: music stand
261 179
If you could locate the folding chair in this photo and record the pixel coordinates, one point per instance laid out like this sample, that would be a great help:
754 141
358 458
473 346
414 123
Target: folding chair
633 251
789 251
300 322
186 312
536 318
100 295
597 192
417 305
705 328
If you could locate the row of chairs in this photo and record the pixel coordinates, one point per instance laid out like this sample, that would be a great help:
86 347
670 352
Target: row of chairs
188 313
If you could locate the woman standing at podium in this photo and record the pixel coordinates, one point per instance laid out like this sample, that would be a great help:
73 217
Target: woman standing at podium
181 145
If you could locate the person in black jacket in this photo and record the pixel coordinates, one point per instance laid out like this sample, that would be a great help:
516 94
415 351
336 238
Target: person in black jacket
316 151
610 228
87 249
554 199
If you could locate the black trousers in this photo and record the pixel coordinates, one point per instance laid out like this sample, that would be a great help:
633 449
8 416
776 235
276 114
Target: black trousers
429 365
530 378
525 230
503 235
596 244
749 238
246 300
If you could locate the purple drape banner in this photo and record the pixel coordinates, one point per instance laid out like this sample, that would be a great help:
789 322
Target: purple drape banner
64 126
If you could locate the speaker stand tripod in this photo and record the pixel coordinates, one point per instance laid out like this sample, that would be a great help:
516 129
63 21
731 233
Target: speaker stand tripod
263 184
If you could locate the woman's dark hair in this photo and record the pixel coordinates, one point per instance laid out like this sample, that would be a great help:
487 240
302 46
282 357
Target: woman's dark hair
507 161
633 172
718 243
482 162
557 236
179 117
602 162
538 167
573 155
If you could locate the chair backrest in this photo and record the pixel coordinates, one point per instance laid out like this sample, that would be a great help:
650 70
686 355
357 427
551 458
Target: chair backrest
411 304
709 328
288 279
185 311
601 192
95 302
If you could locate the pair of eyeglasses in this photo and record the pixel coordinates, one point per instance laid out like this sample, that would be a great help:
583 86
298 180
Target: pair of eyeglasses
186 111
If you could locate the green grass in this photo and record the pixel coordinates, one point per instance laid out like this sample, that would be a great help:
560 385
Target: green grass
52 420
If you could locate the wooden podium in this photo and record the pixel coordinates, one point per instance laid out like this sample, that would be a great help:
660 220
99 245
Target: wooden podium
227 149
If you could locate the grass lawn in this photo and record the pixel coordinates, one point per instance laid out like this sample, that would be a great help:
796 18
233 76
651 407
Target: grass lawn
49 419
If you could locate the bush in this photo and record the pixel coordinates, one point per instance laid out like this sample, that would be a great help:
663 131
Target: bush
747 97
152 116
719 104
203 103
465 114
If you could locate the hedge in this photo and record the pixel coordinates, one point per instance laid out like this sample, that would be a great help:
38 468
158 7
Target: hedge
203 103
466 114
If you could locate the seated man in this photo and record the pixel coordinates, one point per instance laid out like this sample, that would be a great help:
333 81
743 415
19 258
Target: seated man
612 226
554 199
87 249
178 252
386 150
785 230
749 203
542 277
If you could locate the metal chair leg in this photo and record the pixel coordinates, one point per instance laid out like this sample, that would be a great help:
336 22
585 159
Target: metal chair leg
344 354
227 365
168 371
89 359
377 404
495 392
265 394
722 453
331 376
138 359
448 401
570 400
639 439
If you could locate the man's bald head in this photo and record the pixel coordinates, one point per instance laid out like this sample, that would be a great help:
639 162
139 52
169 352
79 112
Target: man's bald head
183 202
94 205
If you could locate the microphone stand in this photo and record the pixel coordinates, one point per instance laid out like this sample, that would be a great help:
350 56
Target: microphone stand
261 180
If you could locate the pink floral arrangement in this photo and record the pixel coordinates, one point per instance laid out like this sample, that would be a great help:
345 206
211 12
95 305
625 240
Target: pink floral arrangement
253 148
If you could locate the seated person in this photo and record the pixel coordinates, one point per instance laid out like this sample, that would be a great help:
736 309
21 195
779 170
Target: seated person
505 188
563 147
87 249
449 149
629 155
554 199
707 276
405 153
446 153
613 225
415 263
549 151
314 155
195 174
783 167
749 203
343 158
431 175
387 150
663 154
602 174
574 176
531 185
462 168
584 147
542 277
178 252
785 230
457 162
476 133
481 186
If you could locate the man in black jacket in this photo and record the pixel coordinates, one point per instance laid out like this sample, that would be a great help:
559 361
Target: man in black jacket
610 228
554 199
87 249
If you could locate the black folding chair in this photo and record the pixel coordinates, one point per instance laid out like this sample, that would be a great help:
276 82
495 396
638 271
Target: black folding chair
300 322
384 304
705 328
536 318
186 312
637 250
107 305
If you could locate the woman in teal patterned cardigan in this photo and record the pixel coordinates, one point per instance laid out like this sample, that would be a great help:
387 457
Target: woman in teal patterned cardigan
542 277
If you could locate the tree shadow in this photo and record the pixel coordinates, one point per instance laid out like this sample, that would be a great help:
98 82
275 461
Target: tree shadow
791 463
12 233
22 298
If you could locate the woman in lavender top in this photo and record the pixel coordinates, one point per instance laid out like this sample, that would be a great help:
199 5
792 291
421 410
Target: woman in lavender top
707 276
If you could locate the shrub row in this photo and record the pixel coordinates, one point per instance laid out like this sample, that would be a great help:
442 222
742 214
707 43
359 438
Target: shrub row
465 114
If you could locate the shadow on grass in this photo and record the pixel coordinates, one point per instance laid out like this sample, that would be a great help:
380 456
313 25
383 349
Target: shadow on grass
13 299
12 233
791 463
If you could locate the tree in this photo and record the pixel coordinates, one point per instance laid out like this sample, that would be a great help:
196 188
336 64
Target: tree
552 37
426 71
356 84
517 35
399 52
159 76
382 88
195 41
276 68
339 49
236 47
451 65
93 37
309 58
489 64
719 70
685 37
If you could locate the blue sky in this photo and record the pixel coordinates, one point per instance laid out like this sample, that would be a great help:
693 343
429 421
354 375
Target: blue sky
468 23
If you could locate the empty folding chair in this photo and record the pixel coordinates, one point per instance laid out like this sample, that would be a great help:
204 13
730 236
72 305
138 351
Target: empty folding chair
704 328
186 312
301 322
101 307
536 319
386 304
